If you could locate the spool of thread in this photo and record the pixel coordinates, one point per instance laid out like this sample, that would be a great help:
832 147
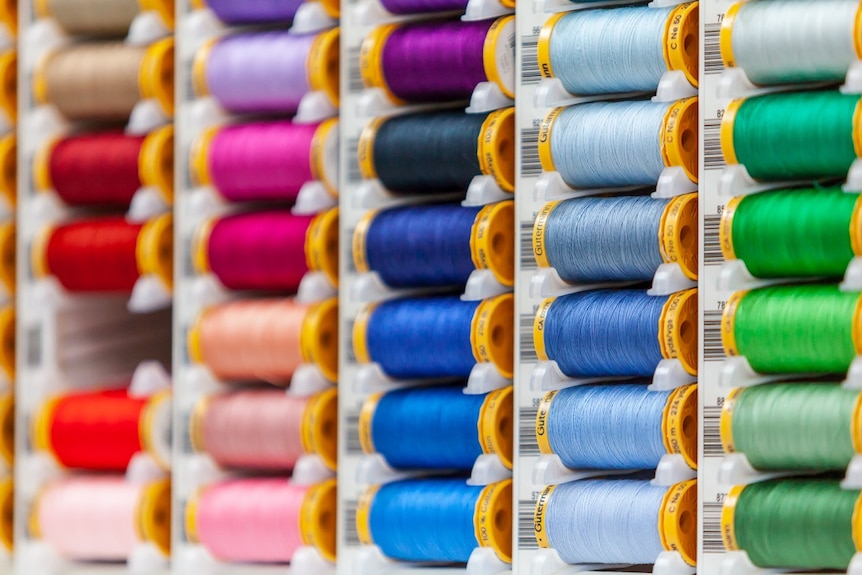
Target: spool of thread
437 427
268 72
442 151
7 511
799 135
619 49
436 246
616 333
260 11
7 437
436 337
101 18
9 16
611 144
262 520
783 41
437 520
104 81
9 169
103 430
805 426
102 518
809 232
9 85
408 7
439 61
266 162
620 426
618 521
772 521
105 254
794 329
268 250
266 429
106 169
266 339
624 238
7 341
8 256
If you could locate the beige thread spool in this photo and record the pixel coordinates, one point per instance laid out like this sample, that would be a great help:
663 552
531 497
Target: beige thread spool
103 18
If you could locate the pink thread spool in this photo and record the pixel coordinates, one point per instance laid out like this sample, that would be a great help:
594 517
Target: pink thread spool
262 520
102 518
266 429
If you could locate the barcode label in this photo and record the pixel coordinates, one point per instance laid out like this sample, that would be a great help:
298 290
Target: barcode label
531 166
712 542
353 173
528 348
526 525
530 60
354 72
713 158
528 260
351 534
34 346
712 63
354 446
713 350
527 442
711 245
711 431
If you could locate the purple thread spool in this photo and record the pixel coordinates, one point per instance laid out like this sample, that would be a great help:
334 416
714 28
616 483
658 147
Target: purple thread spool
254 11
423 6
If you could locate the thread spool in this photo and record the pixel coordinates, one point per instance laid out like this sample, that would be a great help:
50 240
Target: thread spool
266 429
260 11
437 520
8 256
800 135
7 510
437 427
617 521
436 337
409 7
9 16
266 162
807 232
262 520
268 250
9 169
101 18
103 430
434 246
9 85
786 41
771 520
620 49
7 341
621 426
610 333
793 329
111 517
104 81
617 238
439 61
105 254
268 72
442 151
607 144
106 169
7 436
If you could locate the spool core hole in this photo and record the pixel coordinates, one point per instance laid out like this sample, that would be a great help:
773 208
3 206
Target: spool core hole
504 426
498 334
689 45
501 520
499 243
687 237
686 333
689 141
686 522
689 426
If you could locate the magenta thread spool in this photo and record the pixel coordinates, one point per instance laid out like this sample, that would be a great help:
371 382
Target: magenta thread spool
404 7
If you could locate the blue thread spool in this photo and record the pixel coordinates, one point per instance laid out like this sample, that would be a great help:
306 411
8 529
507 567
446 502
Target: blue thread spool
436 337
616 239
437 427
620 426
617 333
437 520
436 246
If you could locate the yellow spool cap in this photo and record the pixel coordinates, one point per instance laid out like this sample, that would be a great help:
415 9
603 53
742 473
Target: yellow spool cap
545 130
678 235
332 8
7 256
725 36
857 44
543 45
199 157
155 249
725 425
679 424
363 515
156 162
317 518
496 423
857 129
39 80
539 328
678 329
194 345
497 148
542 414
9 169
201 246
856 521
539 520
41 426
156 75
498 57
681 40
190 517
7 510
39 252
493 519
154 515
320 427
323 64
366 423
359 242
679 136
492 242
371 61
9 14
856 426
725 228
154 428
540 226
164 8
728 317
360 334
678 520
199 68
728 517
318 338
42 166
324 148
7 428
321 245
9 91
856 227
365 148
7 333
491 333
508 3
857 326
726 131
196 423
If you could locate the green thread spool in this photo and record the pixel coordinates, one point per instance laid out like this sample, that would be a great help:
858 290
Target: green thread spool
807 232
793 329
792 523
791 136
804 426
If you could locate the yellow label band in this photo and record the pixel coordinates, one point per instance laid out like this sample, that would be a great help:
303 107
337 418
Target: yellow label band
543 47
492 242
725 228
365 148
856 227
366 423
360 334
8 255
856 521
154 428
857 326
542 415
539 328
678 523
363 515
322 146
318 340
496 422
540 251
156 74
728 149
678 233
546 156
681 41
678 329
728 518
498 55
679 136
728 318
725 426
371 57
360 235
320 427
154 515
496 148
321 245
155 249
493 519
196 421
323 64
540 525
7 509
317 518
679 424
857 129
156 162
856 425
7 428
725 36
190 517
199 157
492 333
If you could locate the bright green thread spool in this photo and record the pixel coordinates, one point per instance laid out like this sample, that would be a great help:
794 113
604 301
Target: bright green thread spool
792 233
805 426
803 135
794 523
793 329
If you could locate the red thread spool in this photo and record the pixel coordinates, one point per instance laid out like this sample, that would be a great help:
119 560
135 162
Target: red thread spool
103 430
106 169
105 254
